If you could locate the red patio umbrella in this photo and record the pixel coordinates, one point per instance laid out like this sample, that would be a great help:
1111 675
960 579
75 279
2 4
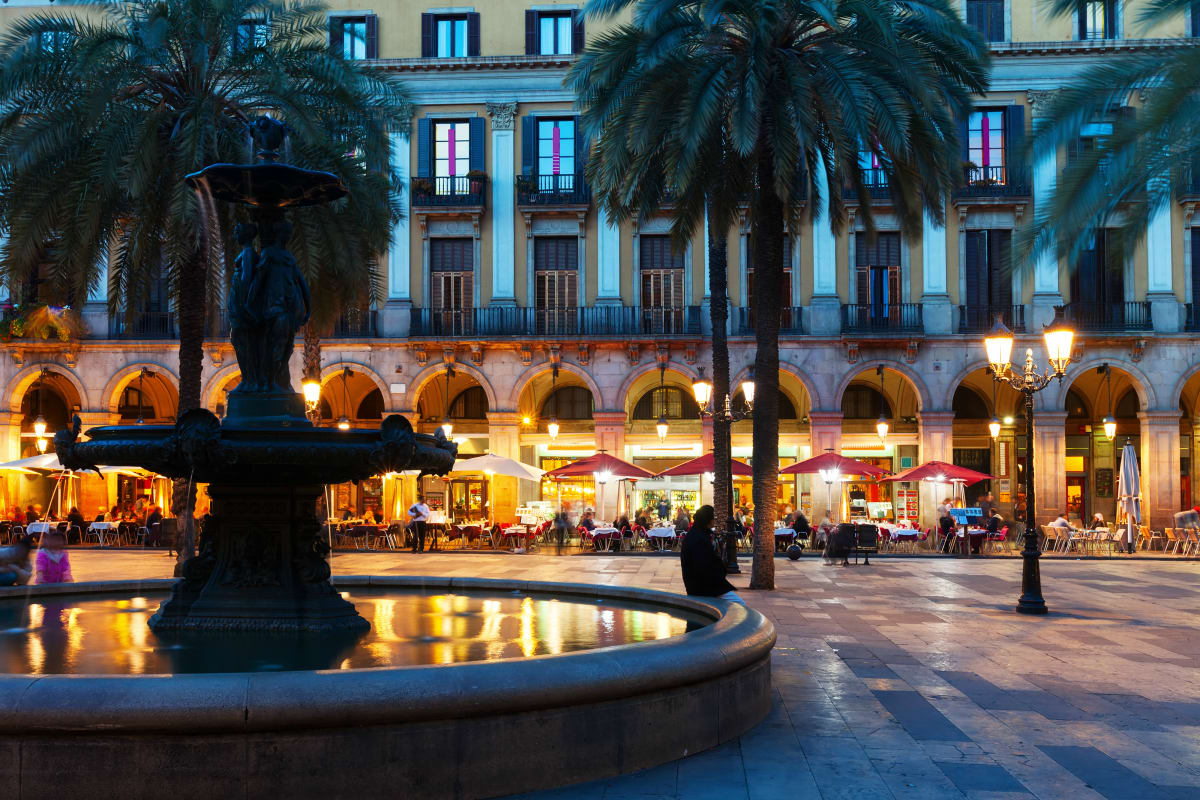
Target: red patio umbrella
600 462
831 460
703 464
940 472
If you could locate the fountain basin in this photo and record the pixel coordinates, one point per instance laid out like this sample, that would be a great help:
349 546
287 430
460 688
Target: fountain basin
476 729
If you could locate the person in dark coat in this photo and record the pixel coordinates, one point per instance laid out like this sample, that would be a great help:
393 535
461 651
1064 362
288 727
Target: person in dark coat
703 569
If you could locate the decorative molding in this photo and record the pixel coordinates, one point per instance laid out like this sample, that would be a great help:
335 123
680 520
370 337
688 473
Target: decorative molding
554 355
689 354
1040 99
633 352
69 357
852 353
18 356
477 354
585 354
502 115
1139 350
910 352
662 355
448 356
422 357
216 357
526 355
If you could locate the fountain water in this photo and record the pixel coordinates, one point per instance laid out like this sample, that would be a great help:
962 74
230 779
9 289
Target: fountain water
261 561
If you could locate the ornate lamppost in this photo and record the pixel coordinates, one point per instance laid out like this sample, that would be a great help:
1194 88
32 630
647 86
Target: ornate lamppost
999 343
702 389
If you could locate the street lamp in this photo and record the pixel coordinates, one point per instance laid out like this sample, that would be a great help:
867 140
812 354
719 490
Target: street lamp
830 476
41 445
552 425
1110 424
702 389
343 422
312 393
447 426
881 425
661 426
994 424
998 344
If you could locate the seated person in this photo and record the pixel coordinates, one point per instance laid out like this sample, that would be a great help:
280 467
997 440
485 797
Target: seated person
15 569
1061 522
799 524
347 514
588 520
1097 522
994 521
948 528
75 519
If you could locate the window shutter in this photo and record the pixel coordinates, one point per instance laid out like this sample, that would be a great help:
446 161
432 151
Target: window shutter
335 36
1114 271
964 139
1014 136
528 145
577 33
372 36
995 21
477 161
424 147
895 293
427 39
1196 269
473 34
1081 20
1110 19
862 285
531 33
975 269
1000 267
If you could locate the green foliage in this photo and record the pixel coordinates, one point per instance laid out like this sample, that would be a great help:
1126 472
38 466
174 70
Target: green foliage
97 137
40 321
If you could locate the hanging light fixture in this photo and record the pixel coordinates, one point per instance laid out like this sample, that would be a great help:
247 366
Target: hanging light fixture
662 427
39 424
343 422
312 393
141 396
702 390
748 389
41 445
447 425
994 424
1059 339
1110 424
552 425
881 425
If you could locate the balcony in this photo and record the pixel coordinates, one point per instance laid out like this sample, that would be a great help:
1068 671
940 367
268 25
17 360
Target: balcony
791 322
1109 317
980 319
452 193
147 325
1192 323
595 322
882 320
994 182
553 191
354 324
875 182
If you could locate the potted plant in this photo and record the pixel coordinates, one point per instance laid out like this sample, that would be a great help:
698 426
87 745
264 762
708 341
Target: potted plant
476 178
422 187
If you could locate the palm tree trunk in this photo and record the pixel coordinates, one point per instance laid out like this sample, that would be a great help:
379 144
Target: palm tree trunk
718 290
193 302
768 279
312 353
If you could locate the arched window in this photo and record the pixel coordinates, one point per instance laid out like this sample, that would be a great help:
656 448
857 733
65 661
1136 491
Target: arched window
135 404
1076 408
666 401
569 402
967 404
471 403
371 406
1128 406
864 402
45 402
787 409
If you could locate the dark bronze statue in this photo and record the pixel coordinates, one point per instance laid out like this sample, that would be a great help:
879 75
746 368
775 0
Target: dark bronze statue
280 299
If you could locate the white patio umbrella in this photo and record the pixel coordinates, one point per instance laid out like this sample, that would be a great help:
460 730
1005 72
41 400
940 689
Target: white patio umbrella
498 465
1129 492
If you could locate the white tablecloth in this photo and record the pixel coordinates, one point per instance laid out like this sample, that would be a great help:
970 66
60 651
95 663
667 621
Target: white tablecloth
40 527
662 533
101 526
604 532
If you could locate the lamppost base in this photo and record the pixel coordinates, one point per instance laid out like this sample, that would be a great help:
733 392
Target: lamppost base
1031 605
732 568
731 562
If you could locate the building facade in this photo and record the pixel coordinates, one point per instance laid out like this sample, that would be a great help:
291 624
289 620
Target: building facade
512 301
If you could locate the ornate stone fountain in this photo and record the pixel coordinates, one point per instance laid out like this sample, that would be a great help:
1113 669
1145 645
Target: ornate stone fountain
260 564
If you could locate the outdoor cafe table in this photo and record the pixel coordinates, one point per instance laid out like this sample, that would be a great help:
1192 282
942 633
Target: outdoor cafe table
662 538
608 536
102 530
967 537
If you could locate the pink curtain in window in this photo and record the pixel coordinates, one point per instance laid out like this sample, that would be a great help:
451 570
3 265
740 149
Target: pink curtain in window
451 144
556 150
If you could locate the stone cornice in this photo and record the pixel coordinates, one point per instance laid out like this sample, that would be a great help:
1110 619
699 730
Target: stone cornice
473 64
1074 48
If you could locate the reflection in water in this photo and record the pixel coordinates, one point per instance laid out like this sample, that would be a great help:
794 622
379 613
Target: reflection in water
108 634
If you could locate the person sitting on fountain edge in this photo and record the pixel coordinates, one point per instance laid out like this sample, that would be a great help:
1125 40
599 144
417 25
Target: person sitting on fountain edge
703 570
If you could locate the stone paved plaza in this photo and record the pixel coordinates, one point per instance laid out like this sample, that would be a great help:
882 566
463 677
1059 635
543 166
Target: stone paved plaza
913 678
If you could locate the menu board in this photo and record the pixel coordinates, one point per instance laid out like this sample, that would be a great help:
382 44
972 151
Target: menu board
879 510
906 504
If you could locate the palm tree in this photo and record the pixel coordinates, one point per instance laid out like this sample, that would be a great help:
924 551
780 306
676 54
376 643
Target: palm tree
1148 157
105 115
776 100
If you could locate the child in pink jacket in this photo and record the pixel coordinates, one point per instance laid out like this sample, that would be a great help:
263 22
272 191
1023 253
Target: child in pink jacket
53 564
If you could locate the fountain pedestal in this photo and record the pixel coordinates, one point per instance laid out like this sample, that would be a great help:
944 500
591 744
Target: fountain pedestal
261 567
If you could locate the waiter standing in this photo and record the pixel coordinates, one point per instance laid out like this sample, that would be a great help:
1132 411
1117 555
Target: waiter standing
419 514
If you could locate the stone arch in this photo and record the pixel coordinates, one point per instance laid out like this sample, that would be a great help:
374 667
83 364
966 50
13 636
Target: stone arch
20 383
735 381
1138 379
335 369
924 399
624 394
127 375
970 369
211 395
432 372
1181 384
522 381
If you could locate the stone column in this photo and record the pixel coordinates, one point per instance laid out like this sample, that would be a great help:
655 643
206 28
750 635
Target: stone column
395 318
937 444
1049 463
825 433
610 437
935 297
825 307
504 440
503 203
1046 290
608 261
1165 309
1160 467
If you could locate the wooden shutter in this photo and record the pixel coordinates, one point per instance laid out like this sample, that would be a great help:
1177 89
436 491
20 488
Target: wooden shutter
1014 140
1196 269
964 138
372 36
1000 268
528 144
1114 268
1081 16
476 160
862 285
424 147
531 33
335 36
1110 19
995 17
577 33
895 292
473 34
428 40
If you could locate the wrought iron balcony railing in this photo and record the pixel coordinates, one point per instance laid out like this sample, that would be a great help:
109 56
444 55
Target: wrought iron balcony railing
994 182
595 322
891 318
147 325
553 190
791 321
980 319
354 324
453 191
1109 317
1192 322
875 181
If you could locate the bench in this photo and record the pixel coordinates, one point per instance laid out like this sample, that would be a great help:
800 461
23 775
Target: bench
857 539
